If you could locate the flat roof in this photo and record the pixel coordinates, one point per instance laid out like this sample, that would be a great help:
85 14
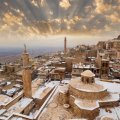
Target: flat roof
4 99
19 106
87 104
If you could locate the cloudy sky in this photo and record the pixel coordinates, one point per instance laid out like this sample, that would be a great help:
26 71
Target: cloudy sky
38 20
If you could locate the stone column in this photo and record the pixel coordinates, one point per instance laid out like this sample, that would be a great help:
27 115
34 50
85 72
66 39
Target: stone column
27 80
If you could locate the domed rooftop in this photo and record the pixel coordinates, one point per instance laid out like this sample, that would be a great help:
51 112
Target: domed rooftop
81 86
88 73
107 117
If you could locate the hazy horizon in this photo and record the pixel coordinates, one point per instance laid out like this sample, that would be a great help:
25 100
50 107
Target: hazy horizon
50 41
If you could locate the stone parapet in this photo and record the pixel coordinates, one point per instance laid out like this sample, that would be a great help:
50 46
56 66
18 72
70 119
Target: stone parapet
87 95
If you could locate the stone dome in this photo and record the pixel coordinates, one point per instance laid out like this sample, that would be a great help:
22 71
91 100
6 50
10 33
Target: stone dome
87 73
87 77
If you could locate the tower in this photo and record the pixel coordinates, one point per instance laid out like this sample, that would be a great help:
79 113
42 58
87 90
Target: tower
65 45
25 57
26 75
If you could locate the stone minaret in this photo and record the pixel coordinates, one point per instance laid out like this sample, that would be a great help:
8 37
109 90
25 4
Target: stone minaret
65 45
25 57
26 75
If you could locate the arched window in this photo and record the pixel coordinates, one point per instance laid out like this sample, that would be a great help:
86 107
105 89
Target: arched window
92 80
82 79
87 80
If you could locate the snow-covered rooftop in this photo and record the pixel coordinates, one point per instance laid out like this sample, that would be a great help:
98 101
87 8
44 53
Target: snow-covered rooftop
4 99
111 87
86 104
41 89
80 66
77 84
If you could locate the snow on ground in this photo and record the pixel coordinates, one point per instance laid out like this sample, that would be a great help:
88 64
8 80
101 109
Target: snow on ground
111 87
4 99
110 98
8 83
117 109
111 113
2 111
52 83
19 106
23 102
39 91
86 104
66 81
17 85
10 91
46 85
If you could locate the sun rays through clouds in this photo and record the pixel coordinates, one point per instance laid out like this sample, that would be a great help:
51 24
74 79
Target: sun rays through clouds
41 17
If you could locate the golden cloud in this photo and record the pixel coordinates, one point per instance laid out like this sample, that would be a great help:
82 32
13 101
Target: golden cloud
10 19
34 3
42 2
84 27
101 20
114 17
101 7
107 28
65 4
76 18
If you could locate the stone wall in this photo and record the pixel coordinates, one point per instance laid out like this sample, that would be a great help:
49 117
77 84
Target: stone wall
39 102
71 102
13 101
88 95
63 98
28 108
6 87
109 104
90 115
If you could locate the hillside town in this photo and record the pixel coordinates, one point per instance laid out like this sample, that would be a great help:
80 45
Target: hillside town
80 83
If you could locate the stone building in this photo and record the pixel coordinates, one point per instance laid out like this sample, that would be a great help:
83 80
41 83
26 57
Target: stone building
87 77
9 68
102 63
77 69
84 96
101 45
57 73
69 63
